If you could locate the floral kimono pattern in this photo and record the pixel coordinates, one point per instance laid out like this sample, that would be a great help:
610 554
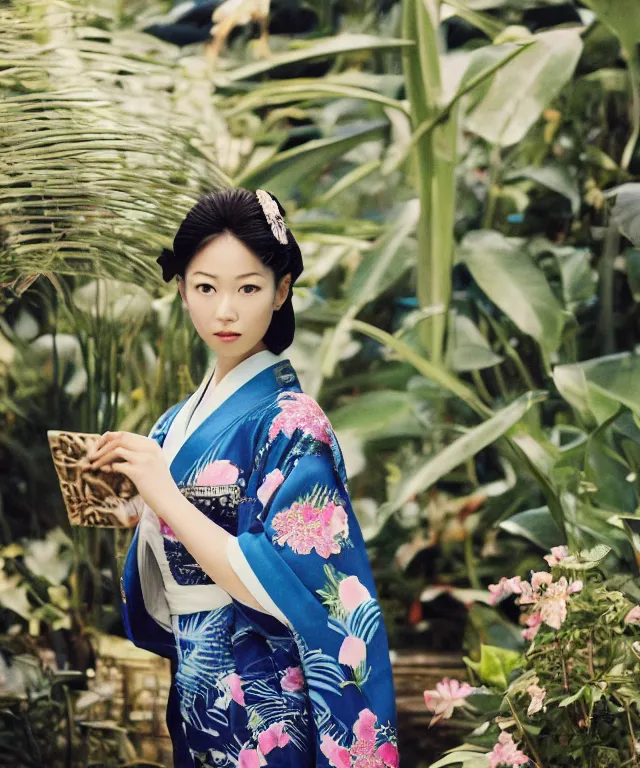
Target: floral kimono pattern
308 683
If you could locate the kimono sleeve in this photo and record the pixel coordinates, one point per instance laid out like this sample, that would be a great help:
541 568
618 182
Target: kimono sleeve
305 562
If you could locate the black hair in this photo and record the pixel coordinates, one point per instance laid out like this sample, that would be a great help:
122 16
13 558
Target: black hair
237 211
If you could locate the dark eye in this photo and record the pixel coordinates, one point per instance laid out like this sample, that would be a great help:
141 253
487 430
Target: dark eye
205 285
250 286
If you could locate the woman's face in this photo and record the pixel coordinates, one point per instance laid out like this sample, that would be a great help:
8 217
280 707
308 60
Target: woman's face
228 289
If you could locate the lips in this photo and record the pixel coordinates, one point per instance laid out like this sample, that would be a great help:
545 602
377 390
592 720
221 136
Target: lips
228 335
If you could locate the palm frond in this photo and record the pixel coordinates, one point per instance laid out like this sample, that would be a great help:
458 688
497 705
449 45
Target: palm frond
98 161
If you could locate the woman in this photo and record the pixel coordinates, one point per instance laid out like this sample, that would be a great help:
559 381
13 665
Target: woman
248 569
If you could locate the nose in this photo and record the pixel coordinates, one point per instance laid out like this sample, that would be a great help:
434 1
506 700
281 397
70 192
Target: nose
225 309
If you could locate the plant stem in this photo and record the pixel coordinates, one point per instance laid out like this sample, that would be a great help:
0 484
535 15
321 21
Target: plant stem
470 562
632 738
535 754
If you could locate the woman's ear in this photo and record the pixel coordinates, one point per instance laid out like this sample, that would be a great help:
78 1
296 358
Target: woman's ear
283 291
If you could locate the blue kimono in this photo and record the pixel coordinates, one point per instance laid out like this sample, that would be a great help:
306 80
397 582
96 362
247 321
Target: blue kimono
308 681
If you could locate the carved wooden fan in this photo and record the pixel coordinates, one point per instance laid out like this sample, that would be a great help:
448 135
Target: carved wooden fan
92 497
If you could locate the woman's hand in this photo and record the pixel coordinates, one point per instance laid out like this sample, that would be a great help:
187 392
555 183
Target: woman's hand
140 459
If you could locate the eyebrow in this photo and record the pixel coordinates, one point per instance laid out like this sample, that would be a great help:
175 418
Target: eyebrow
239 277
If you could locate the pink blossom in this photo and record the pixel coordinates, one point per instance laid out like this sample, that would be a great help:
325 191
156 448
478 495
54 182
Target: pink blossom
534 621
553 603
293 680
271 482
336 755
309 524
537 698
352 651
504 588
364 727
300 411
557 554
248 758
219 472
235 686
388 753
527 594
447 695
539 579
273 737
633 617
505 752
352 593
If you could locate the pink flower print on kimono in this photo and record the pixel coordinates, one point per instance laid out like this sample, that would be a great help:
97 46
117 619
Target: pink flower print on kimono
268 740
365 751
271 482
234 686
354 614
219 472
314 521
293 680
300 411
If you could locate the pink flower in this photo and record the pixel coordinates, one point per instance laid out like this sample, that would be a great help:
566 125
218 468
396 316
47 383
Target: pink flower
364 727
388 753
504 588
272 481
336 755
300 411
553 603
273 737
235 686
352 651
537 698
527 594
293 680
352 593
505 752
309 524
447 695
557 554
539 579
219 472
534 620
248 758
633 617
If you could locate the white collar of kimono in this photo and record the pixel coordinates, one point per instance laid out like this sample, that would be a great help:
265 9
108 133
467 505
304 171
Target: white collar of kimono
193 412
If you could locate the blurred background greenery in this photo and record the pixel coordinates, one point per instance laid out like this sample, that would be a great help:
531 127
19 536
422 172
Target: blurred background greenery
467 317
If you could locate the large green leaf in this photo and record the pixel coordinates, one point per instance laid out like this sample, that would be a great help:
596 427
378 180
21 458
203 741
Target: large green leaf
378 269
536 525
434 372
460 450
495 665
285 91
283 171
508 276
555 177
371 411
622 18
522 89
596 388
468 349
315 49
